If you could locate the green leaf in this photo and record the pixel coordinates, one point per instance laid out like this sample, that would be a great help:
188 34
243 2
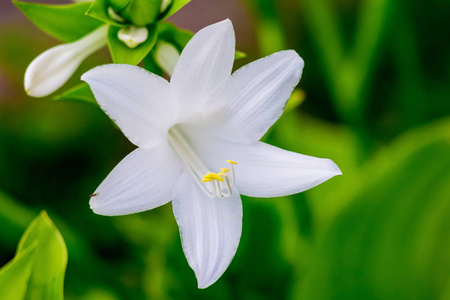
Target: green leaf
64 22
174 7
99 10
80 92
50 260
15 275
122 54
141 12
391 240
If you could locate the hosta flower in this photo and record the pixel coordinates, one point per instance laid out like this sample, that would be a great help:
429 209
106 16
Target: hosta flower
198 143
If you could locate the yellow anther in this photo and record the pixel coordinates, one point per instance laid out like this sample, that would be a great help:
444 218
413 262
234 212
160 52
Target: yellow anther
220 173
224 170
232 162
213 176
206 179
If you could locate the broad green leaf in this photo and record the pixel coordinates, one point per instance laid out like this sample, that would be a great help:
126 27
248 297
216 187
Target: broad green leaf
391 240
122 54
174 7
99 10
15 275
80 92
64 22
47 276
141 12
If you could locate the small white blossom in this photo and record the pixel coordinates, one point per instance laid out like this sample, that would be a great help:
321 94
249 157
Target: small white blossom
53 67
203 121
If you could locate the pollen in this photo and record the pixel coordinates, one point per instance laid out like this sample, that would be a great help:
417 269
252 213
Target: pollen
221 185
213 176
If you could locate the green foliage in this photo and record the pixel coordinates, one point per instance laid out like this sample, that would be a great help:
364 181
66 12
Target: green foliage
15 275
64 22
376 85
122 54
37 271
391 241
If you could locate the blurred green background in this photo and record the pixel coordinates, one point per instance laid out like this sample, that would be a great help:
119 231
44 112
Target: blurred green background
376 80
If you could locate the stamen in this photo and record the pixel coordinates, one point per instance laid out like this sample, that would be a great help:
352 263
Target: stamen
194 165
221 181
213 176
212 184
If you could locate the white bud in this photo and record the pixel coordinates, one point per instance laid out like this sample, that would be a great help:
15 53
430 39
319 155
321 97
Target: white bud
133 36
164 5
115 16
52 68
166 56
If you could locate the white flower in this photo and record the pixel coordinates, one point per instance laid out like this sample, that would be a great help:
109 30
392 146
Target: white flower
191 127
53 67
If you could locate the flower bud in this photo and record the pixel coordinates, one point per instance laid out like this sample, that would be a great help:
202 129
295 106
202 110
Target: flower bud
133 36
52 68
141 12
164 5
166 56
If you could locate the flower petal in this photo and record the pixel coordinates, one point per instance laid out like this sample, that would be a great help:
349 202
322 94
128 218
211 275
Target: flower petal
264 170
254 96
138 101
142 181
205 62
210 229
52 68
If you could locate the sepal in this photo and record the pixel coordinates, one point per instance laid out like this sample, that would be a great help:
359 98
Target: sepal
64 22
122 54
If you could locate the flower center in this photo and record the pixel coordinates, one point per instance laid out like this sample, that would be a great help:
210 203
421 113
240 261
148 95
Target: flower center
212 184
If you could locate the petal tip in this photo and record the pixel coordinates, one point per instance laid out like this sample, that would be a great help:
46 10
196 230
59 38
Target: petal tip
334 169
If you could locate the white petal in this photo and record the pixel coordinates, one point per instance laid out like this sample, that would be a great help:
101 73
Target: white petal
210 229
255 96
142 181
52 68
264 170
205 62
138 101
